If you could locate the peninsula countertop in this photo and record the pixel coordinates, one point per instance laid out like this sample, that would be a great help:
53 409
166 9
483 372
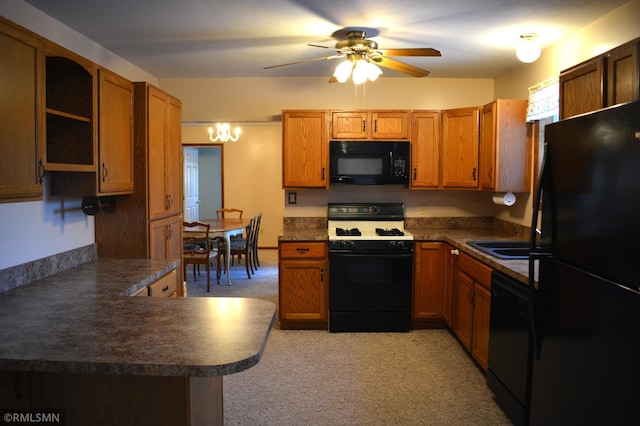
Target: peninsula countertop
81 321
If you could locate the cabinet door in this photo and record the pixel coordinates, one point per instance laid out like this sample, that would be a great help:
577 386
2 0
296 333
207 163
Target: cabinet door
504 149
173 162
481 317
428 288
174 241
450 259
425 149
116 134
349 125
622 74
460 148
21 121
303 290
389 125
304 151
463 308
159 234
581 88
157 135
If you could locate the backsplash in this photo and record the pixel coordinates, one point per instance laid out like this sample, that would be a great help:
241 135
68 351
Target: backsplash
25 273
474 222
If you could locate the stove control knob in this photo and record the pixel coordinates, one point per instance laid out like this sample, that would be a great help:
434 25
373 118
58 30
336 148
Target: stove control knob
400 244
349 244
392 244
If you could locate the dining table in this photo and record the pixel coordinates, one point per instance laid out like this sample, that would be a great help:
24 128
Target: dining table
225 228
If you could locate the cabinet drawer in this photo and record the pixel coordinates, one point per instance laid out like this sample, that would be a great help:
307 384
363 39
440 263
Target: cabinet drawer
165 286
475 269
303 250
143 292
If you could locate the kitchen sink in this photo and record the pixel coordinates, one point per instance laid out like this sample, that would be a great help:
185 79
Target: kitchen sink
504 249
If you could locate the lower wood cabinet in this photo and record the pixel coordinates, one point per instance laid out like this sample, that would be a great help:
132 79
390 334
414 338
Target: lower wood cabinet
91 399
432 284
166 286
303 285
472 307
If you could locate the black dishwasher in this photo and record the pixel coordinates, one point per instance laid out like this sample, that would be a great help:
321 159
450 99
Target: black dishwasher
509 371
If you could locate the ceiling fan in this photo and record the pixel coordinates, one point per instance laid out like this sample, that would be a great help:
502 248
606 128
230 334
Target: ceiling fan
357 48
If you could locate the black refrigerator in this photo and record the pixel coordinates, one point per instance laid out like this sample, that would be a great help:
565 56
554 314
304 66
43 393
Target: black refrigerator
585 309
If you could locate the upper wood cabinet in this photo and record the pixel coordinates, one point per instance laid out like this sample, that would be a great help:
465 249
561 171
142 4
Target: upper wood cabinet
116 134
622 74
459 157
605 80
504 148
305 142
425 149
387 124
21 95
71 105
89 127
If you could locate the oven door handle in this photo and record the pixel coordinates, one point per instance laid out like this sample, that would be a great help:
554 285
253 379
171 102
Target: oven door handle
395 255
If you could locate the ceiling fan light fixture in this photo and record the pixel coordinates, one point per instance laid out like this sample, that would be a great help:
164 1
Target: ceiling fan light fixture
343 71
373 71
528 49
360 72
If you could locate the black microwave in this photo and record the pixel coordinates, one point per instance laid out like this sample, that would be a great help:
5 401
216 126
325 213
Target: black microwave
369 162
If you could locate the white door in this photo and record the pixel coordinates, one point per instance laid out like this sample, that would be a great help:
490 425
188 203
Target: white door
191 185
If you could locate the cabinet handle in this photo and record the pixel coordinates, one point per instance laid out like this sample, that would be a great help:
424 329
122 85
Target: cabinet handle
302 249
323 173
375 126
364 125
474 174
169 232
165 288
415 173
490 173
104 172
41 170
321 275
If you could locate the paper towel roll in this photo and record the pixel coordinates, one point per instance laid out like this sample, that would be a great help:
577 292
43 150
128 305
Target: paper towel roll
504 199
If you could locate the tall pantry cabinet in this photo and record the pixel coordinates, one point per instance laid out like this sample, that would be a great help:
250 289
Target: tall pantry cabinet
148 223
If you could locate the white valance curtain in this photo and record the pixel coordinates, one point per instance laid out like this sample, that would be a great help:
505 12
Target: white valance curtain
544 100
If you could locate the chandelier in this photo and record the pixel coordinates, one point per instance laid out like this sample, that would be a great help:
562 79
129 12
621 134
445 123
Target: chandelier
359 67
223 133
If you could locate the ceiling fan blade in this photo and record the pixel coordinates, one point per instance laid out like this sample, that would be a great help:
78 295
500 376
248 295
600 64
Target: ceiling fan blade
306 60
402 67
421 51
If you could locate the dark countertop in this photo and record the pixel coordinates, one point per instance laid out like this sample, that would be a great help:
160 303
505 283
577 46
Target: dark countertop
80 321
456 237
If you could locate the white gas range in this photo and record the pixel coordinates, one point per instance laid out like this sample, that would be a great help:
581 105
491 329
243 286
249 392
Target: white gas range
370 268
373 226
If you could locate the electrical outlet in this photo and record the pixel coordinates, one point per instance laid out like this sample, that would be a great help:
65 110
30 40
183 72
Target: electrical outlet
292 198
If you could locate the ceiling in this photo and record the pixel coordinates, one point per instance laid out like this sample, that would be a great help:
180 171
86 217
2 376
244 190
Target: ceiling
238 38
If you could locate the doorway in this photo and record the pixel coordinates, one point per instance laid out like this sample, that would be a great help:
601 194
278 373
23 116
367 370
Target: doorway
202 182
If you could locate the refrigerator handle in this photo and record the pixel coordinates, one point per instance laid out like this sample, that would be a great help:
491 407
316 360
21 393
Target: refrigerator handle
536 254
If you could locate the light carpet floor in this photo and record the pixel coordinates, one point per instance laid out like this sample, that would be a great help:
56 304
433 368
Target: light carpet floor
423 377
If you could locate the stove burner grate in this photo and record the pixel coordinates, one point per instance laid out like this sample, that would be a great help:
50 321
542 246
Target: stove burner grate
395 232
342 232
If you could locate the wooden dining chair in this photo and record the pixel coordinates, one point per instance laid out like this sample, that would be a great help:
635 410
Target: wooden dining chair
228 213
198 248
240 247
